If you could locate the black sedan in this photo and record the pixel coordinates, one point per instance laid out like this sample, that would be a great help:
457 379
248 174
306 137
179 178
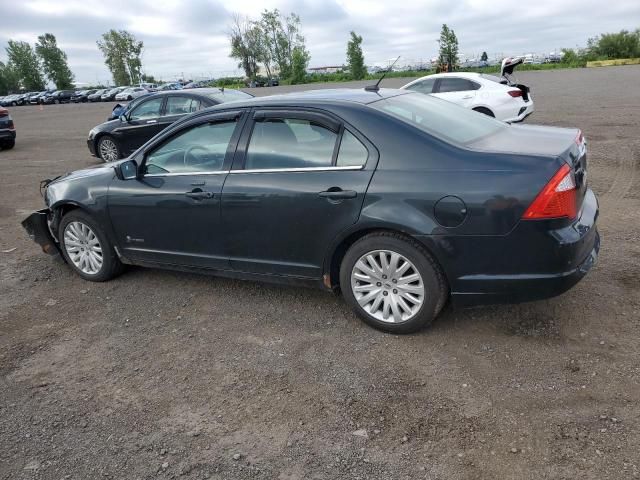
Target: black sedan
97 95
59 96
400 200
82 96
149 115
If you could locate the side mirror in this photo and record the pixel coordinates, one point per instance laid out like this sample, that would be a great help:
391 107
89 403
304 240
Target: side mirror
124 119
127 170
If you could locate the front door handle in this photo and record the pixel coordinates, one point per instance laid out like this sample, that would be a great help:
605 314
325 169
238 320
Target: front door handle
198 194
336 193
467 97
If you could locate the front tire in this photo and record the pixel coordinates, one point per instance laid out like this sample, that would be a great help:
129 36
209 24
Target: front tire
392 283
108 149
87 249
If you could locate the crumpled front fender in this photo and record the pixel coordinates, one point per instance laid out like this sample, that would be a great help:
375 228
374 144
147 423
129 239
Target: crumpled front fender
38 230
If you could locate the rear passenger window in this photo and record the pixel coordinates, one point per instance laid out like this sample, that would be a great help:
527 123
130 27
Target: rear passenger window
456 85
181 105
352 153
289 143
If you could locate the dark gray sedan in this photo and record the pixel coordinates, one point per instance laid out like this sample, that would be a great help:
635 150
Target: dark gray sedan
400 200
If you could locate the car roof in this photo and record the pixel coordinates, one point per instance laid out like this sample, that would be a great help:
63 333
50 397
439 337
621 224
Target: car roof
313 97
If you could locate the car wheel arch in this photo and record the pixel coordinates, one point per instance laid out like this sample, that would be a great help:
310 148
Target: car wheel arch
331 277
482 109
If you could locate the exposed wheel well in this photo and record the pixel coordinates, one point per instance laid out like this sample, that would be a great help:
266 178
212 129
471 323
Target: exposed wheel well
341 250
484 110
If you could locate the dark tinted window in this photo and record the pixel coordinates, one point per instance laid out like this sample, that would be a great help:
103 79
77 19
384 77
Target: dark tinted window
181 105
425 86
201 148
352 152
148 109
456 85
290 143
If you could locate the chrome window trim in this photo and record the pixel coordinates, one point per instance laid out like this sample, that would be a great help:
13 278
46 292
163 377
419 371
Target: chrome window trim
297 170
183 174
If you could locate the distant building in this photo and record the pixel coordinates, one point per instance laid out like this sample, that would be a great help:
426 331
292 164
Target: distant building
327 69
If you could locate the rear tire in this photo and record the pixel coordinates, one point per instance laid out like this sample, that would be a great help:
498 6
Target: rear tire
8 145
404 295
486 111
87 249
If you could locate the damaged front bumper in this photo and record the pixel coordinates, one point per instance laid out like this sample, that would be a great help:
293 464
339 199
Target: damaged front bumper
37 227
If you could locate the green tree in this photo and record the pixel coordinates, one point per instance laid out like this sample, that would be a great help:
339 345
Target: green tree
122 54
299 63
246 44
9 79
355 57
448 48
54 61
484 57
623 44
26 64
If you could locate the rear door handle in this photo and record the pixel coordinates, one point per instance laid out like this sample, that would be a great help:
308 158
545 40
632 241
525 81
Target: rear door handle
338 194
199 195
152 121
467 97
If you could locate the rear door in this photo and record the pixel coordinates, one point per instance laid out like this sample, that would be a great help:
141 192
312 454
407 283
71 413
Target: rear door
457 90
298 180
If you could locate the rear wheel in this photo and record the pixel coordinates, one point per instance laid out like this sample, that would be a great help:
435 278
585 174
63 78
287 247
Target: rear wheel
392 283
486 111
8 144
87 249
108 149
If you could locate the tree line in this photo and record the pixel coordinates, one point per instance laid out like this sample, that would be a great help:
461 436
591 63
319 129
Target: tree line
28 67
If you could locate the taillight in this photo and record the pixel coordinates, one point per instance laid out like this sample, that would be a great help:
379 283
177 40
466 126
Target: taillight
557 199
515 93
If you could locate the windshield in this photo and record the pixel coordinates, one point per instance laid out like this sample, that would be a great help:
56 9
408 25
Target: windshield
440 118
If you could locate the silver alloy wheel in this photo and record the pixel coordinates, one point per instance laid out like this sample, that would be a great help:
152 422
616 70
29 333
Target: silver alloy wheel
387 286
108 150
83 247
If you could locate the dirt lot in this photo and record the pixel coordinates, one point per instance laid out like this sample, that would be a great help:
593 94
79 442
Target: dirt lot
167 375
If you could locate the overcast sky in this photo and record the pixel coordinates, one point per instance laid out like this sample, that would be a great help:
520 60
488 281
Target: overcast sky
190 36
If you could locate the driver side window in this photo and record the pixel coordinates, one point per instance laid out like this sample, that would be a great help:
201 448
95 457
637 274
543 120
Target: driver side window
198 149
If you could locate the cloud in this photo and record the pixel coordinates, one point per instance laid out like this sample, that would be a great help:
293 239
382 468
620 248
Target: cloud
190 37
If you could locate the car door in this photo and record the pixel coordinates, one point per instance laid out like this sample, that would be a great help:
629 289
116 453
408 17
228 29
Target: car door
457 90
140 125
298 180
171 213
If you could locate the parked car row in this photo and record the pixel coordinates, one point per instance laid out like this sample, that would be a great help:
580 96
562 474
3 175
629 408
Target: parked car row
75 96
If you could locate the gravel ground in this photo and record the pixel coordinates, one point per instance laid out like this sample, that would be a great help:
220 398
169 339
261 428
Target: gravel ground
168 375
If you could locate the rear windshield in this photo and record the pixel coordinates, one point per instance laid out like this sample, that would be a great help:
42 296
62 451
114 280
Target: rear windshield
440 118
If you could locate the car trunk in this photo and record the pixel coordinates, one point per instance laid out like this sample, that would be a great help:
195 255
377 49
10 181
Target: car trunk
567 144
507 68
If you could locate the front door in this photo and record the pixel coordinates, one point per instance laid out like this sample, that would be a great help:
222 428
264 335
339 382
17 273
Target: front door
171 214
140 125
296 184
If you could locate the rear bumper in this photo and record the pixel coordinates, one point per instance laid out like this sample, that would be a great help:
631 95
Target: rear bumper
523 112
37 228
517 288
536 260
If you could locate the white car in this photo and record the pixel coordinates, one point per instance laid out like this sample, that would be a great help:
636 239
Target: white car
131 93
501 98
